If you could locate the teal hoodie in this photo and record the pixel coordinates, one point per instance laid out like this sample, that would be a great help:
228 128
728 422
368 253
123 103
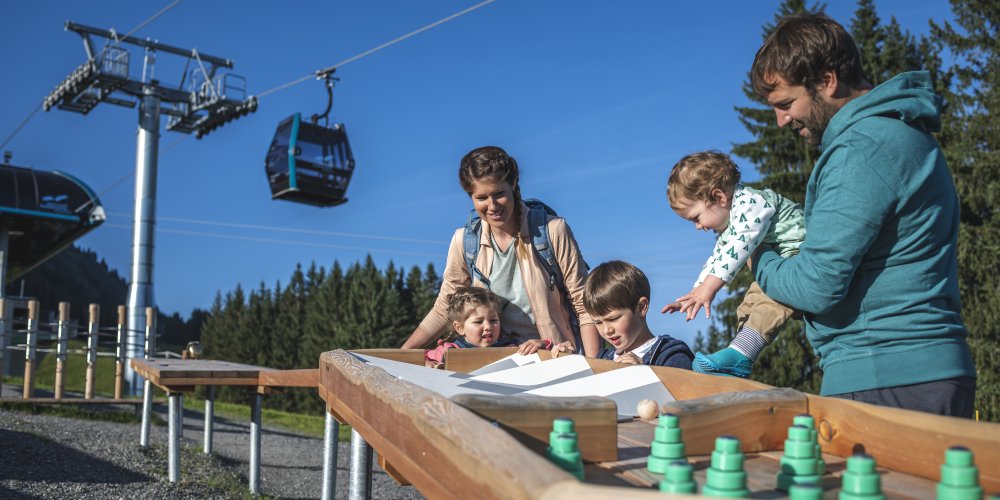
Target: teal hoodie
876 276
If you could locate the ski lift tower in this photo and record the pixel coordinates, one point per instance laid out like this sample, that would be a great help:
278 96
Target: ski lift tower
204 100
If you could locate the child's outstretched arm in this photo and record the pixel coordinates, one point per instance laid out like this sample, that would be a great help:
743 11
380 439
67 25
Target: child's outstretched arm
700 297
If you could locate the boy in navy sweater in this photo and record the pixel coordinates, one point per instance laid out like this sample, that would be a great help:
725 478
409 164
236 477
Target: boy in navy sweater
616 296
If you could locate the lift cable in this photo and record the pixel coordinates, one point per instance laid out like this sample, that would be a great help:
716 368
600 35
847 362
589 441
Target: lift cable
137 28
321 73
256 227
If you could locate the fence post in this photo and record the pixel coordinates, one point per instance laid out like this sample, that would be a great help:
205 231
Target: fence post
62 334
95 317
3 339
29 351
120 352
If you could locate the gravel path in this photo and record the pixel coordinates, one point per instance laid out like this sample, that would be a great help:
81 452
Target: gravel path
44 456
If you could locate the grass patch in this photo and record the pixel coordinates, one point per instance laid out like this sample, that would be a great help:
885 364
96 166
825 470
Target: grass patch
309 425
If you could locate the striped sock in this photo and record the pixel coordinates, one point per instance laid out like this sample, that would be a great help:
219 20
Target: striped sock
749 343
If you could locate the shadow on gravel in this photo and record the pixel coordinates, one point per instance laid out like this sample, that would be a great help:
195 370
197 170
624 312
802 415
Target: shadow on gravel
28 457
13 495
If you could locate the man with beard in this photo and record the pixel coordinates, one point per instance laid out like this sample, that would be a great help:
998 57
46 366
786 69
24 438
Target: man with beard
876 276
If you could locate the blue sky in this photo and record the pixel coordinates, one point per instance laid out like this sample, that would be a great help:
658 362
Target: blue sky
595 99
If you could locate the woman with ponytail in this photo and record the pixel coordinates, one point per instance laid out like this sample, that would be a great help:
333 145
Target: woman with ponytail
535 314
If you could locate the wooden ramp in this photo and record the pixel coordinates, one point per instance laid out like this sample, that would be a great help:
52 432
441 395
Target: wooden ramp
443 446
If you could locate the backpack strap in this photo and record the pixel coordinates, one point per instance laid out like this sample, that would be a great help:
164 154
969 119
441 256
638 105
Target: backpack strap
470 247
538 213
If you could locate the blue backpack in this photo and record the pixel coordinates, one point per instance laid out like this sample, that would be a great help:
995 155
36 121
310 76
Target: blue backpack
538 212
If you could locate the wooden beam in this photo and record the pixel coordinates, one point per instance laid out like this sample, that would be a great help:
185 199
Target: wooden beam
906 441
468 360
529 420
686 384
290 378
392 472
443 449
760 419
411 356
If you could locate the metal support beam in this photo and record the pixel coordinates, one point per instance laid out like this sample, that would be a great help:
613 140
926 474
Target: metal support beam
255 444
209 419
147 410
331 446
140 287
361 468
173 448
83 30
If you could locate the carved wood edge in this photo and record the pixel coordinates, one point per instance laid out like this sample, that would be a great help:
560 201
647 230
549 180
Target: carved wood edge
759 418
463 437
906 441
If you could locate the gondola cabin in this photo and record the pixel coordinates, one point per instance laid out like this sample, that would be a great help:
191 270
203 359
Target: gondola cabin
41 213
309 163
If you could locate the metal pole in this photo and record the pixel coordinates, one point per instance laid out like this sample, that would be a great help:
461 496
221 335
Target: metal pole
209 418
147 410
62 335
361 468
331 446
140 287
173 447
255 445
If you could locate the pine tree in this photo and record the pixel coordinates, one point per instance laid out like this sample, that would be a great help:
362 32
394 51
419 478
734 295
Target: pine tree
784 162
971 141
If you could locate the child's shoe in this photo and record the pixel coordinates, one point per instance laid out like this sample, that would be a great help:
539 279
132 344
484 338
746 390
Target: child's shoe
727 362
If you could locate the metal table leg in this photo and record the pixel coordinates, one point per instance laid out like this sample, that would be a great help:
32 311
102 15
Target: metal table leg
330 448
361 468
255 445
209 419
147 409
173 454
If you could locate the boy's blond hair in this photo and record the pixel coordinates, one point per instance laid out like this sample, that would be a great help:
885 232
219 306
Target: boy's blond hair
697 175
614 285
467 298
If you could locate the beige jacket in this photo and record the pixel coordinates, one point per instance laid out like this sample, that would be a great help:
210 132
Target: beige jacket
546 304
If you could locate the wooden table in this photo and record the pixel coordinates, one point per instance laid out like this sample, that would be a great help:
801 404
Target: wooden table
177 376
447 450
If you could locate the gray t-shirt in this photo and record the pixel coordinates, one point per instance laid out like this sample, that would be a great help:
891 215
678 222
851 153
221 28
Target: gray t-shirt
517 322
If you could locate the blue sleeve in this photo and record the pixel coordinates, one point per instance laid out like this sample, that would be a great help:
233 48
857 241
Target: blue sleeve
606 353
670 352
853 195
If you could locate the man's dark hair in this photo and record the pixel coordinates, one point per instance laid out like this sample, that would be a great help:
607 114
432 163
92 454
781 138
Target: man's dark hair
801 48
